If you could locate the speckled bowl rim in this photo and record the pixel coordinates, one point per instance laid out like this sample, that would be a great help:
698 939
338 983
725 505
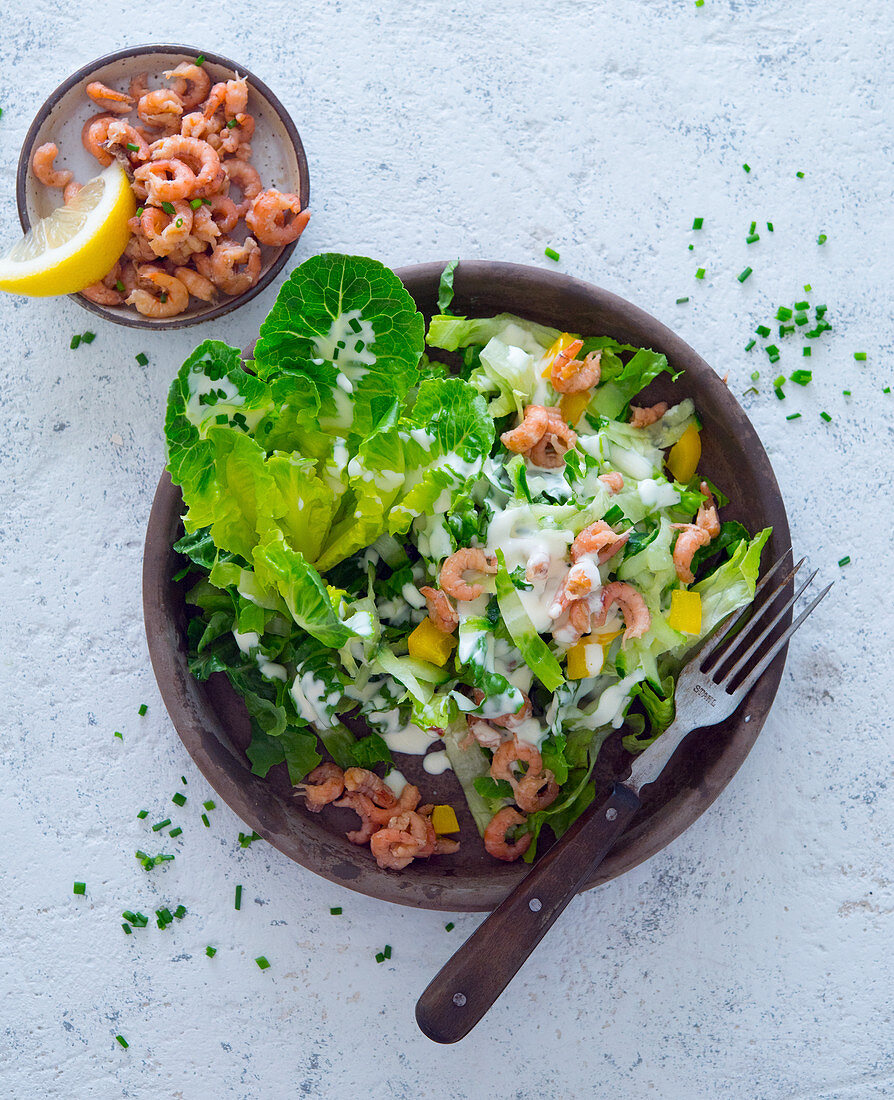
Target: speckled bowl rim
188 51
456 889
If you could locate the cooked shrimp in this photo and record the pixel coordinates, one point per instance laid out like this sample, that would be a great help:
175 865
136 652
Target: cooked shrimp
570 375
137 248
166 180
204 228
197 155
224 212
161 109
121 134
598 539
163 231
643 417
223 266
237 136
190 82
690 538
94 134
372 817
483 733
102 294
495 842
535 792
707 517
515 752
71 192
468 559
445 846
549 452
42 164
173 297
276 218
578 585
246 178
529 432
363 781
409 799
107 99
393 848
197 285
614 481
537 567
139 86
579 616
324 784
632 606
440 610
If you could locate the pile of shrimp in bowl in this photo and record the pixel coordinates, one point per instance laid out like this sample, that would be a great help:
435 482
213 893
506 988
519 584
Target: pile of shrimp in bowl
203 213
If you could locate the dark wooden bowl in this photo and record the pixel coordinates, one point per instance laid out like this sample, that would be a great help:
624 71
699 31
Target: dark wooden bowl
278 155
213 723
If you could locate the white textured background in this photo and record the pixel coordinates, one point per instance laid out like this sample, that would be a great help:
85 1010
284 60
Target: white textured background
754 957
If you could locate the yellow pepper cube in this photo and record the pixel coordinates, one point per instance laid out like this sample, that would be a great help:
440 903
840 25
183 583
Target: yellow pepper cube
427 643
574 405
685 611
584 659
443 820
685 454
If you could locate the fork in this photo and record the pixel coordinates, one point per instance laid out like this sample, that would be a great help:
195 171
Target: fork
711 686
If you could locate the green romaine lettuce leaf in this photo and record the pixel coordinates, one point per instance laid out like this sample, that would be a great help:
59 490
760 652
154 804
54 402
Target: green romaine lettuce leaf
533 648
732 585
445 286
451 333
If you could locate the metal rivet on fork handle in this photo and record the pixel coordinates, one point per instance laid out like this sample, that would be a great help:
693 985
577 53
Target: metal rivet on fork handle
611 813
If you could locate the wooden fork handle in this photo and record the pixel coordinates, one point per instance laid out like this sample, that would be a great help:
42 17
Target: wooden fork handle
472 979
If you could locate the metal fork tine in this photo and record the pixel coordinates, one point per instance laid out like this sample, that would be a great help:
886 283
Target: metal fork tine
729 625
761 666
745 657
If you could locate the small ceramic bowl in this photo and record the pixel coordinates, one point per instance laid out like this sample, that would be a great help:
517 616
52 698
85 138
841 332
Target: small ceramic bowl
278 156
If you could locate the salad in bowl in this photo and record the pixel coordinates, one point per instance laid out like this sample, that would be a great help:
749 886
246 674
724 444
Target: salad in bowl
476 543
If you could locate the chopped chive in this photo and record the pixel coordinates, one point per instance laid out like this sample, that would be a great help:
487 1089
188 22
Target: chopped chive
79 888
75 341
387 951
886 389
183 780
860 356
801 377
119 286
168 207
772 351
825 417
175 832
845 560
744 275
750 344
354 325
132 148
262 962
200 60
808 288
692 248
142 359
551 254
140 855
238 900
245 840
141 710
769 227
807 352
747 167
210 951
699 3
140 210
752 227
128 931
179 799
380 957
846 393
359 346
178 222
210 804
752 237
783 313
800 175
697 223
755 375
821 310
195 203
88 337
680 301
335 910
205 821
793 416
762 330
779 381
779 393
800 318
802 305
163 297
221 418
118 734
122 1041
784 330
700 274
180 912
161 824
449 926
164 917
751 389
822 238
142 814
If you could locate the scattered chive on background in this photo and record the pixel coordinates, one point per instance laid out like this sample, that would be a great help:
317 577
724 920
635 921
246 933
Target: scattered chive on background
551 254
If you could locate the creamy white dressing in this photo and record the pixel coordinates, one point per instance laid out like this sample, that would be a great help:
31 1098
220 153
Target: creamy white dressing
341 331
344 383
272 670
396 781
409 739
436 763
630 462
311 699
541 479
610 710
516 532
530 731
361 622
655 493
413 596
247 641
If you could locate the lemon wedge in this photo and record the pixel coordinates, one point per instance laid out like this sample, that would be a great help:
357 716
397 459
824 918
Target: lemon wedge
76 245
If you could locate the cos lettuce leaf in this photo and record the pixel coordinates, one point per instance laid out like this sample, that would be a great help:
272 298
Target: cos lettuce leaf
349 326
445 286
451 333
732 585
